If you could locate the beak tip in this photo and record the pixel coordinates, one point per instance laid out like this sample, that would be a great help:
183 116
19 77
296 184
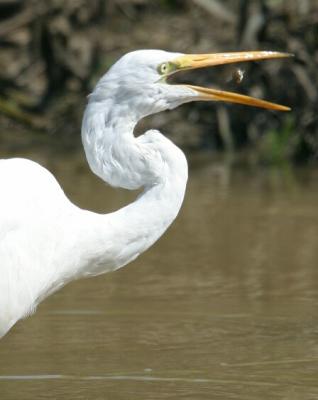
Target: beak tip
285 108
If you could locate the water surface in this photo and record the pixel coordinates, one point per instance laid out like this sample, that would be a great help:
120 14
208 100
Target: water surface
224 306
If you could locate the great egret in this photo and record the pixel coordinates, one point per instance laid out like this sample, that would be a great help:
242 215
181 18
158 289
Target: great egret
45 240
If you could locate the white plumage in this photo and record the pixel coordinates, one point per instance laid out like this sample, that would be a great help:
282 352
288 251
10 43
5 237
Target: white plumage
45 240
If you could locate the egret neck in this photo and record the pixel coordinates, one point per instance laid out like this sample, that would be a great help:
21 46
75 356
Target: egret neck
150 161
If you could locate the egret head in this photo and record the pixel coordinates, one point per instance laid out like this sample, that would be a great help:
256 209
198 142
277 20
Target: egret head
139 80
137 86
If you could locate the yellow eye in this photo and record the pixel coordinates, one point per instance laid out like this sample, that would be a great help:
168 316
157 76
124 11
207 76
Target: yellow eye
163 68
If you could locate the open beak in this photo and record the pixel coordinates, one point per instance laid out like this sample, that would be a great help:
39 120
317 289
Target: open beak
193 61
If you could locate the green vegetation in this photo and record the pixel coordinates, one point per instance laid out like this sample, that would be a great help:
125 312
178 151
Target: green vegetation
280 145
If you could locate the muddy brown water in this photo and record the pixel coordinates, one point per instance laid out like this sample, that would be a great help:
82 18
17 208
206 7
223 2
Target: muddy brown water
224 306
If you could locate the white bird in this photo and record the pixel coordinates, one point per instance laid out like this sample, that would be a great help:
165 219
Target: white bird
45 240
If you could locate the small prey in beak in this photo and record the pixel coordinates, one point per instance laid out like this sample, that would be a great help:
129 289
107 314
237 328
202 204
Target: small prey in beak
193 61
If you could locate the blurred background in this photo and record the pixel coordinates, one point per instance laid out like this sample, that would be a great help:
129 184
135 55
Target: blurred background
53 52
225 303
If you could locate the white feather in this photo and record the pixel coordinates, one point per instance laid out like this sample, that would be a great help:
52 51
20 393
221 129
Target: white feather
45 240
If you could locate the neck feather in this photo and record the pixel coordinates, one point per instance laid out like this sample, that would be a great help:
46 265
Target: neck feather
118 158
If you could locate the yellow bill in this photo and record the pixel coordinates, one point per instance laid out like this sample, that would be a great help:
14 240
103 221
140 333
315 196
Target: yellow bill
192 61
